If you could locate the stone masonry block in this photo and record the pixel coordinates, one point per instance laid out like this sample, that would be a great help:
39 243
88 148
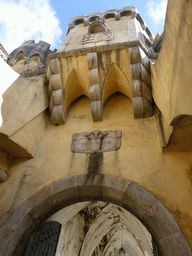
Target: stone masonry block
89 187
113 188
175 245
22 218
8 241
66 191
163 223
138 199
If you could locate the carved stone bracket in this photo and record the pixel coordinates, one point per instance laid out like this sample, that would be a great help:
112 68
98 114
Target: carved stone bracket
141 83
96 141
55 93
95 91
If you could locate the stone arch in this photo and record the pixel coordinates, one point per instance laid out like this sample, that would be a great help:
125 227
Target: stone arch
74 89
115 81
127 194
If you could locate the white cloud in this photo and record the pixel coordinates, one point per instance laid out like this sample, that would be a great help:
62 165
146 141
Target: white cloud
157 11
8 77
22 20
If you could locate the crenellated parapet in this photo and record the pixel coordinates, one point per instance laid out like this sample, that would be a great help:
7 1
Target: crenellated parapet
30 58
114 13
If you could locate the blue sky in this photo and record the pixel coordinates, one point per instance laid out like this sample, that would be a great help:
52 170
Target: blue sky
48 20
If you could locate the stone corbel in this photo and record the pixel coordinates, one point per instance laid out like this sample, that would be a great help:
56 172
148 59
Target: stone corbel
3 175
4 165
141 83
55 93
95 90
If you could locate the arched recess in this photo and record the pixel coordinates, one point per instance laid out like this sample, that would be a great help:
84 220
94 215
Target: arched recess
74 89
181 136
61 193
116 81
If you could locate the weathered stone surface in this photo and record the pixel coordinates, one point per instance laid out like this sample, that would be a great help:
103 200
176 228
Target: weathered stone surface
22 218
113 189
56 93
137 199
29 49
66 191
141 83
129 11
89 187
98 31
161 220
107 188
175 245
96 141
8 241
95 89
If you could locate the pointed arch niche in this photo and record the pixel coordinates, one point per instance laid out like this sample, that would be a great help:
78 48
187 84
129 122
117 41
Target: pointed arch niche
74 89
116 82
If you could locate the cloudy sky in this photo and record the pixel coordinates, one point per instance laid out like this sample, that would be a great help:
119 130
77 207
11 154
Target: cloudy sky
48 20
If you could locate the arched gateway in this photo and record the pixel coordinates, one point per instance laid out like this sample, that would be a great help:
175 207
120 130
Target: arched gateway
129 195
107 117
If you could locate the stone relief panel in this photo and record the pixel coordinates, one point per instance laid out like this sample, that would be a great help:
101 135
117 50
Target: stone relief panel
96 141
97 31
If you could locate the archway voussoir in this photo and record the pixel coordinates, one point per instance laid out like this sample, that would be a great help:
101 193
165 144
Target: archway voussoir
138 199
113 188
8 240
22 218
89 187
163 223
175 245
46 207
40 196
66 191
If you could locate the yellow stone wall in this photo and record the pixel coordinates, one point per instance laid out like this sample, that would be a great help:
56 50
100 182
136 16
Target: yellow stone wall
171 75
167 175
140 159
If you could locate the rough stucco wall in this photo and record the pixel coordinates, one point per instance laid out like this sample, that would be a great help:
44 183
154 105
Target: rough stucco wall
25 99
140 159
171 75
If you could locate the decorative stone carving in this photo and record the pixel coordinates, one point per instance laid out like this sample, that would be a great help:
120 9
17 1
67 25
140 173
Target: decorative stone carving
97 31
141 83
55 93
96 141
95 91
